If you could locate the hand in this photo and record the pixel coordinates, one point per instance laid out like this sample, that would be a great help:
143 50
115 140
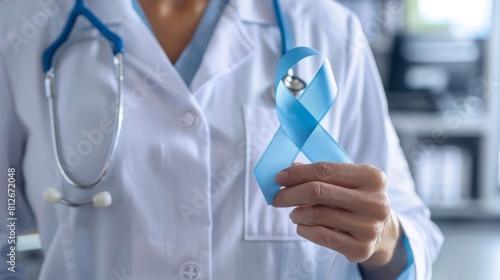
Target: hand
343 207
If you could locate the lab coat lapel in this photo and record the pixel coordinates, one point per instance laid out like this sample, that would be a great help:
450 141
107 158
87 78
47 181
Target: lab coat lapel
228 48
141 49
145 54
256 11
110 11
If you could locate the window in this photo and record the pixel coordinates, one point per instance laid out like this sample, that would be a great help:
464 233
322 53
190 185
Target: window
465 18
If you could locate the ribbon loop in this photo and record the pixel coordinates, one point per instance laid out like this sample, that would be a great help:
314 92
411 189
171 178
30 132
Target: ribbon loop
300 119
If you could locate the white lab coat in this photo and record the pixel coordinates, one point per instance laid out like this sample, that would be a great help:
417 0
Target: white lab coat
181 180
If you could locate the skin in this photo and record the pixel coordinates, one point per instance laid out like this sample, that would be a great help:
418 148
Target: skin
344 207
174 22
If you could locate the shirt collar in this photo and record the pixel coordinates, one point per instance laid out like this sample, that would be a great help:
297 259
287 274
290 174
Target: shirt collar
109 11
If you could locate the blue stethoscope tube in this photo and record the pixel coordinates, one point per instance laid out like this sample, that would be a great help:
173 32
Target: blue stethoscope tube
103 199
292 82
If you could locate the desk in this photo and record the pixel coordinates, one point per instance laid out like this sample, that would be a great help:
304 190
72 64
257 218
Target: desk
471 250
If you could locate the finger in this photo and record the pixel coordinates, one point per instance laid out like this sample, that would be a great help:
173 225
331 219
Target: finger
335 240
342 174
283 176
319 193
332 218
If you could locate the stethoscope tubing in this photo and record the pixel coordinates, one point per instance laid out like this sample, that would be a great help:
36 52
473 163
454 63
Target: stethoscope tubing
55 130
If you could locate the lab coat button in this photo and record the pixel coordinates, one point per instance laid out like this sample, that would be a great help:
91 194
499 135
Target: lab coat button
188 119
190 271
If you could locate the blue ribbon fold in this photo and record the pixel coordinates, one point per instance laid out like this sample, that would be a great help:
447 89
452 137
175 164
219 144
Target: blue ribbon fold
300 119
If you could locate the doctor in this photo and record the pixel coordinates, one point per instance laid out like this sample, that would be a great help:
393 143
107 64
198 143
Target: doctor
198 113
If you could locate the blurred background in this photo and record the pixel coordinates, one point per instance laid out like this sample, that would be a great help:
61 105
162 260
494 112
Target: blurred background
440 63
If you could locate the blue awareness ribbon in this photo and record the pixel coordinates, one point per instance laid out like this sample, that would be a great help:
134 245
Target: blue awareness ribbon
300 119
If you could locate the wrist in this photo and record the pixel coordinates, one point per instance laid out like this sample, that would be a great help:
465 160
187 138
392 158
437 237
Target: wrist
391 257
390 244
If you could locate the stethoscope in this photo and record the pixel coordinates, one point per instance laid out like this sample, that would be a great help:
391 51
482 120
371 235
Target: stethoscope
103 199
291 81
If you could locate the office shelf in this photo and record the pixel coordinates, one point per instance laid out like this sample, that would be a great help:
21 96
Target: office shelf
412 126
451 125
470 210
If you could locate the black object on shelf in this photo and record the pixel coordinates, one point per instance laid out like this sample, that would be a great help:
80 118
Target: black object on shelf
421 101
428 73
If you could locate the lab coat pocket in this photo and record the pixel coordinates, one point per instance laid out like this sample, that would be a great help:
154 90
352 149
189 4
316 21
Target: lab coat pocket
262 222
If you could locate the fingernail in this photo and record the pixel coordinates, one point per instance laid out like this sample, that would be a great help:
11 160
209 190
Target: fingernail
275 200
281 178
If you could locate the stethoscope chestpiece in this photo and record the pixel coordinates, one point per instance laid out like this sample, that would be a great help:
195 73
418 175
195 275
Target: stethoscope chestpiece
294 84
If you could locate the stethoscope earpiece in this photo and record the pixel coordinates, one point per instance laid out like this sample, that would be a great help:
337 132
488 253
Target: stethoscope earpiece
99 200
52 195
102 199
